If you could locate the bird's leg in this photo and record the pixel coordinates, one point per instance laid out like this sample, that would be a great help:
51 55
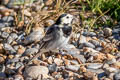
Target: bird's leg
36 56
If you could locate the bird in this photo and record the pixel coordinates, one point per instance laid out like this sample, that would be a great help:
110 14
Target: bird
57 35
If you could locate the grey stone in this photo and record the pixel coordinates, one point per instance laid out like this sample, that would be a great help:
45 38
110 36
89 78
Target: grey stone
30 51
7 19
111 61
13 60
52 68
9 48
35 71
88 44
5 35
117 76
2 25
14 35
11 38
94 65
18 65
80 57
107 32
95 42
74 68
91 34
99 48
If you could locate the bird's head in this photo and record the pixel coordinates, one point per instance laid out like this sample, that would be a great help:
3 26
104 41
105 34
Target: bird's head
65 19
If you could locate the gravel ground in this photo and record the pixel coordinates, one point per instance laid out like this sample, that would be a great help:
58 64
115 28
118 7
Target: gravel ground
91 54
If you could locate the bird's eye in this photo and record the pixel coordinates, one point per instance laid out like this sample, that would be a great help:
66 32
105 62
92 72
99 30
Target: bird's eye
67 17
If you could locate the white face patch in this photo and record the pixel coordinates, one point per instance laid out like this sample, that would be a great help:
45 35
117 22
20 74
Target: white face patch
67 19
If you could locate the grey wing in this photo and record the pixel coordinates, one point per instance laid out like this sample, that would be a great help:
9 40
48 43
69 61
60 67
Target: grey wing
49 36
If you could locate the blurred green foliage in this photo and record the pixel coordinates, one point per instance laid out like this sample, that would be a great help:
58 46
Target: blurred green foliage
101 6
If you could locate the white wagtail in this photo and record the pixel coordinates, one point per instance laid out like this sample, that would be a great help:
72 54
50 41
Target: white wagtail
57 35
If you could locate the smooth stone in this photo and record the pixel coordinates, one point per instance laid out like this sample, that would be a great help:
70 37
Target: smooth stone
107 32
116 30
98 71
2 25
13 60
82 39
14 35
80 57
117 76
95 42
35 71
94 65
88 44
30 51
92 34
52 68
8 19
99 48
109 70
5 35
74 68
18 65
111 61
9 48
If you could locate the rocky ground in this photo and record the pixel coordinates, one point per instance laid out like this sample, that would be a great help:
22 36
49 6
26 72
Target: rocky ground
92 54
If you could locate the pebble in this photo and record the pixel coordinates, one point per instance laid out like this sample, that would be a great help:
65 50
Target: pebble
35 71
117 76
94 65
73 68
88 44
95 42
109 70
9 48
80 57
58 61
2 25
5 35
30 51
107 32
52 68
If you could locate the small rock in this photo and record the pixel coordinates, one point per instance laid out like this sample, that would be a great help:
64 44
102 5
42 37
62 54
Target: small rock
95 42
82 39
5 35
117 76
30 51
73 68
88 75
35 71
88 44
92 34
74 62
111 61
107 32
79 57
58 61
110 70
9 48
52 68
94 66
2 25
